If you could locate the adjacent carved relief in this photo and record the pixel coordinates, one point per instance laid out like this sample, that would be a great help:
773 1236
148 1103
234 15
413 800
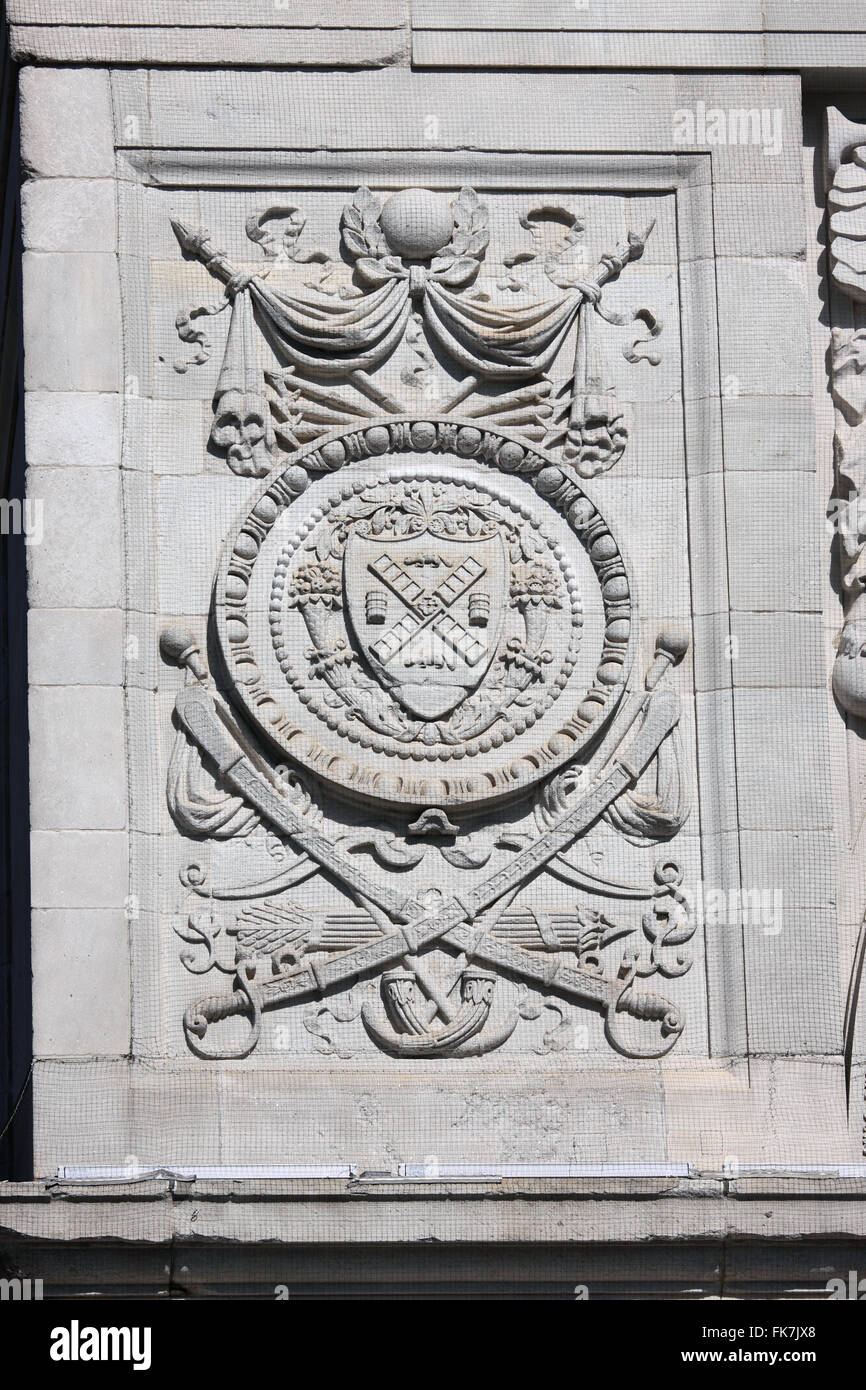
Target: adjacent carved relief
427 635
846 204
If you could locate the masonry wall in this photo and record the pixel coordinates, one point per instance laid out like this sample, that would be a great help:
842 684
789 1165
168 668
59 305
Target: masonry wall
162 164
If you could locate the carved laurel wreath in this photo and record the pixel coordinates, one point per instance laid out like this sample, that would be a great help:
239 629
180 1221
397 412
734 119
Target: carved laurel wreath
454 266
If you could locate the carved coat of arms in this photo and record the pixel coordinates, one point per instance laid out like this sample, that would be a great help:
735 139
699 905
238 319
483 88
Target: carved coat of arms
427 692
426 585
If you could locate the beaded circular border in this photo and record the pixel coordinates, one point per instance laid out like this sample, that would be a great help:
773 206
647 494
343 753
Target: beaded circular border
501 452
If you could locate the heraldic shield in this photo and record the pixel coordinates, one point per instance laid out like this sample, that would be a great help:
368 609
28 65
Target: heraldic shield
427 611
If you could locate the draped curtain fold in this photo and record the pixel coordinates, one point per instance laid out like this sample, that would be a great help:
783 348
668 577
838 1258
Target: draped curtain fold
500 341
334 339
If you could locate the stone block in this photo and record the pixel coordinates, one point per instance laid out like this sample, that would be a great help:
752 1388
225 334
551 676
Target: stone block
73 429
794 999
78 868
782 776
764 219
78 563
77 758
773 521
767 432
81 983
75 646
68 215
71 321
764 342
66 125
780 650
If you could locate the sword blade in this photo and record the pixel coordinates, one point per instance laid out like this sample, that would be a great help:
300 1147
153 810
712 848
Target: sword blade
197 712
662 714
195 709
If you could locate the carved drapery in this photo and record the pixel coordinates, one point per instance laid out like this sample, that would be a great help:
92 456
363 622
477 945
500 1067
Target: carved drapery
433 627
343 339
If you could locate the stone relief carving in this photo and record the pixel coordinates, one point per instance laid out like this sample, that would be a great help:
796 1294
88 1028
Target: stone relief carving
424 640
414 260
845 153
846 205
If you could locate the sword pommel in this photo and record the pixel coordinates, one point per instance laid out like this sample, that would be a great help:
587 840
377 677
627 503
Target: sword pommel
671 646
180 646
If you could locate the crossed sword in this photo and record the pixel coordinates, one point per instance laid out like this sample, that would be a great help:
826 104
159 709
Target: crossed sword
209 721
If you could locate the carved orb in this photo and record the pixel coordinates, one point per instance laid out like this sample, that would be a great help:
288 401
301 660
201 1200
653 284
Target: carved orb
416 223
849 669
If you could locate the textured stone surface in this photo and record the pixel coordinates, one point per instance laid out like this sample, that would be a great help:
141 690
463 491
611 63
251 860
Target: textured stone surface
66 123
71 320
78 868
80 561
700 1236
714 507
295 47
68 215
66 428
83 957
75 646
743 35
88 793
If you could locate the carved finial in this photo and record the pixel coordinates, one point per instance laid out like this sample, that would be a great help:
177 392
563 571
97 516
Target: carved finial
180 646
416 222
637 241
672 644
186 238
199 244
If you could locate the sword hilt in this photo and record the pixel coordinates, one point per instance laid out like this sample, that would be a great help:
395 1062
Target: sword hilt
649 1007
180 646
671 646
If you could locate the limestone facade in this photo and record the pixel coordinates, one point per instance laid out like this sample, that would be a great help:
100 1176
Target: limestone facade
445 645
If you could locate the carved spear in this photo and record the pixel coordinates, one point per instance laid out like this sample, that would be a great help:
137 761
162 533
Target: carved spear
199 245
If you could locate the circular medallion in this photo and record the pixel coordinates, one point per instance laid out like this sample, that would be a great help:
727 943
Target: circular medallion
440 618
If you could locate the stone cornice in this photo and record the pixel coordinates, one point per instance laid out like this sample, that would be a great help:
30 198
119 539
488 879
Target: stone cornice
824 43
756 1235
